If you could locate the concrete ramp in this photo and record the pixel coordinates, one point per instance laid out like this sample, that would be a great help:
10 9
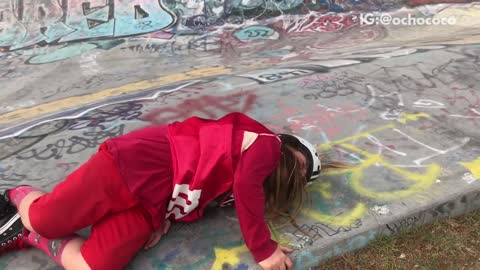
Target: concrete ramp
399 99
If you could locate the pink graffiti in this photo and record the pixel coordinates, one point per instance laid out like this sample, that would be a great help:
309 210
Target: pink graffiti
160 35
67 166
316 78
331 120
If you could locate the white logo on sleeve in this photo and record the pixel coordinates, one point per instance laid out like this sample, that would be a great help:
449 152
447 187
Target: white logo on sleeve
183 201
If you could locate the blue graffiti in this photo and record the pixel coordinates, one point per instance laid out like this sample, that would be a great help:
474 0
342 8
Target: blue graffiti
32 22
255 33
354 243
307 259
62 53
275 53
242 266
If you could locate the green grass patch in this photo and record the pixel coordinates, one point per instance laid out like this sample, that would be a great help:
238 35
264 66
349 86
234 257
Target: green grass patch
452 243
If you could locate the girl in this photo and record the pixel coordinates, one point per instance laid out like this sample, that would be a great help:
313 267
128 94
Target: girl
136 184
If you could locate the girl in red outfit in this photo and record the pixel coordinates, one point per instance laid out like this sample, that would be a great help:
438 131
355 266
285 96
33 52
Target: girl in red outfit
136 184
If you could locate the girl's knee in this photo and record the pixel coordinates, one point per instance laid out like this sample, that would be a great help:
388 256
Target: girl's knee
42 220
25 206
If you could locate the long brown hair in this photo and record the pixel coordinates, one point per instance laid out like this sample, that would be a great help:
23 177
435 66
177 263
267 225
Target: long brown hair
284 188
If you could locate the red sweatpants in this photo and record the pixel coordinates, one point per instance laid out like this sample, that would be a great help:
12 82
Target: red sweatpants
95 194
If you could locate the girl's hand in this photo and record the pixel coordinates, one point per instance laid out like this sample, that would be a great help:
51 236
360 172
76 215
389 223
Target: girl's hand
278 260
157 235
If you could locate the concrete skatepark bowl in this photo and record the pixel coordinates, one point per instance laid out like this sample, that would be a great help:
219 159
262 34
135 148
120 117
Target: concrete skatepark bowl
399 99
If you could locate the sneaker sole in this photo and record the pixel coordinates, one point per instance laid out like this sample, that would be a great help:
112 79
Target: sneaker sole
9 224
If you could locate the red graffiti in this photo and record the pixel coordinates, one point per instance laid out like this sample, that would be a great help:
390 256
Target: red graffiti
331 120
327 23
204 106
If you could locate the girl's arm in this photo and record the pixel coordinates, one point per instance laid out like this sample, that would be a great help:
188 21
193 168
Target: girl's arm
255 165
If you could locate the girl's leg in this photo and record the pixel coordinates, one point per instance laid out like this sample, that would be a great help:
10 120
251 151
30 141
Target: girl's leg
114 241
22 197
58 249
87 195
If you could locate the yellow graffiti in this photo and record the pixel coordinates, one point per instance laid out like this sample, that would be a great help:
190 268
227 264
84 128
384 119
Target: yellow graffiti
411 117
229 255
350 138
346 219
420 180
323 189
68 103
278 236
473 166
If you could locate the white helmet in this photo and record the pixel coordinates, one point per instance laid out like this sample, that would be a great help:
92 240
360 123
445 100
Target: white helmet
308 150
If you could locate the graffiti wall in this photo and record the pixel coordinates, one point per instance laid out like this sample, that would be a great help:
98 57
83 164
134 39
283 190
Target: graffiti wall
25 24
398 103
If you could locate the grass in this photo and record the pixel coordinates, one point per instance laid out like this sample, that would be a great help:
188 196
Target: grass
446 244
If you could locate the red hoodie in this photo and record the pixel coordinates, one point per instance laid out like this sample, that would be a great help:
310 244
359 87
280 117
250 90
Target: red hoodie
207 161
